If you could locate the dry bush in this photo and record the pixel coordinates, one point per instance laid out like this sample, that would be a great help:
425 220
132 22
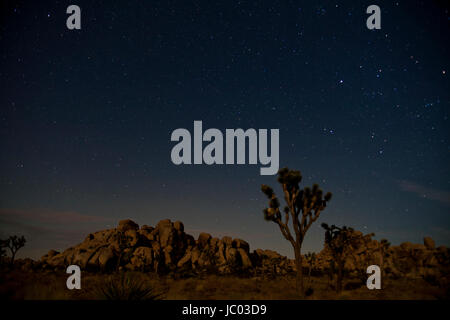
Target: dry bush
127 286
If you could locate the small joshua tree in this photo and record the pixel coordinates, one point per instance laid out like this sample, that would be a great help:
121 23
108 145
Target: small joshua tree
123 243
338 240
2 251
14 243
303 206
383 247
310 258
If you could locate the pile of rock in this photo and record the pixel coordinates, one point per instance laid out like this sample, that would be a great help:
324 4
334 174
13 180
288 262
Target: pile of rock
419 261
167 248
271 262
163 249
360 252
407 260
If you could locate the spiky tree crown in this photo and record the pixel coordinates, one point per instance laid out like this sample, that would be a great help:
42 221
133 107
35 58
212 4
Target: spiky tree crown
384 243
310 257
302 205
14 243
343 240
337 238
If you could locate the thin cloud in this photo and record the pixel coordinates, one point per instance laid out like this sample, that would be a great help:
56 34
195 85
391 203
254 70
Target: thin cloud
425 192
46 229
48 216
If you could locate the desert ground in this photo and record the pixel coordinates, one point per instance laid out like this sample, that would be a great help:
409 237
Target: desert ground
51 285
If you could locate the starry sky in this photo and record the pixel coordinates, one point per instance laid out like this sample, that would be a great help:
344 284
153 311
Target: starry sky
86 115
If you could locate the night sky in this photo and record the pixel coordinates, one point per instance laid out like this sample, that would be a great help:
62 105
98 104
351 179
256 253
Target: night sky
86 115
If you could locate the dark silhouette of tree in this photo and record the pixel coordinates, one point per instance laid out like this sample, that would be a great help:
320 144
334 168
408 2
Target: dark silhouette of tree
310 258
338 240
14 243
383 246
303 206
2 251
123 243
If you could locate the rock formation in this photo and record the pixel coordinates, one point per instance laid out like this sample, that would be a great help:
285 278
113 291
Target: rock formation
166 248
407 260
162 249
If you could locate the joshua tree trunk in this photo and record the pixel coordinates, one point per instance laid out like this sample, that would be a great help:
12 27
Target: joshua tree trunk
331 272
339 281
383 246
339 276
298 264
13 255
382 270
118 261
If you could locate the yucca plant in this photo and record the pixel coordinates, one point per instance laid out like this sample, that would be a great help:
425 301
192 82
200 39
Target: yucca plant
127 287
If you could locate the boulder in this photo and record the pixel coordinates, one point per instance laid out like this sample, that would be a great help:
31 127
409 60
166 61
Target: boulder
429 243
106 258
220 254
406 246
49 255
178 225
142 258
168 256
231 256
239 243
185 260
214 243
227 241
195 255
132 237
246 262
203 239
165 231
127 224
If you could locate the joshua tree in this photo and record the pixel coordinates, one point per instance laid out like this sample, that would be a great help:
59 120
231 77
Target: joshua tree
2 250
310 258
383 247
14 243
331 272
338 240
123 243
302 205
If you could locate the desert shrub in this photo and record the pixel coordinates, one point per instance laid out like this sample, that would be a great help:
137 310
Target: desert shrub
431 279
126 286
309 292
184 272
14 244
352 285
